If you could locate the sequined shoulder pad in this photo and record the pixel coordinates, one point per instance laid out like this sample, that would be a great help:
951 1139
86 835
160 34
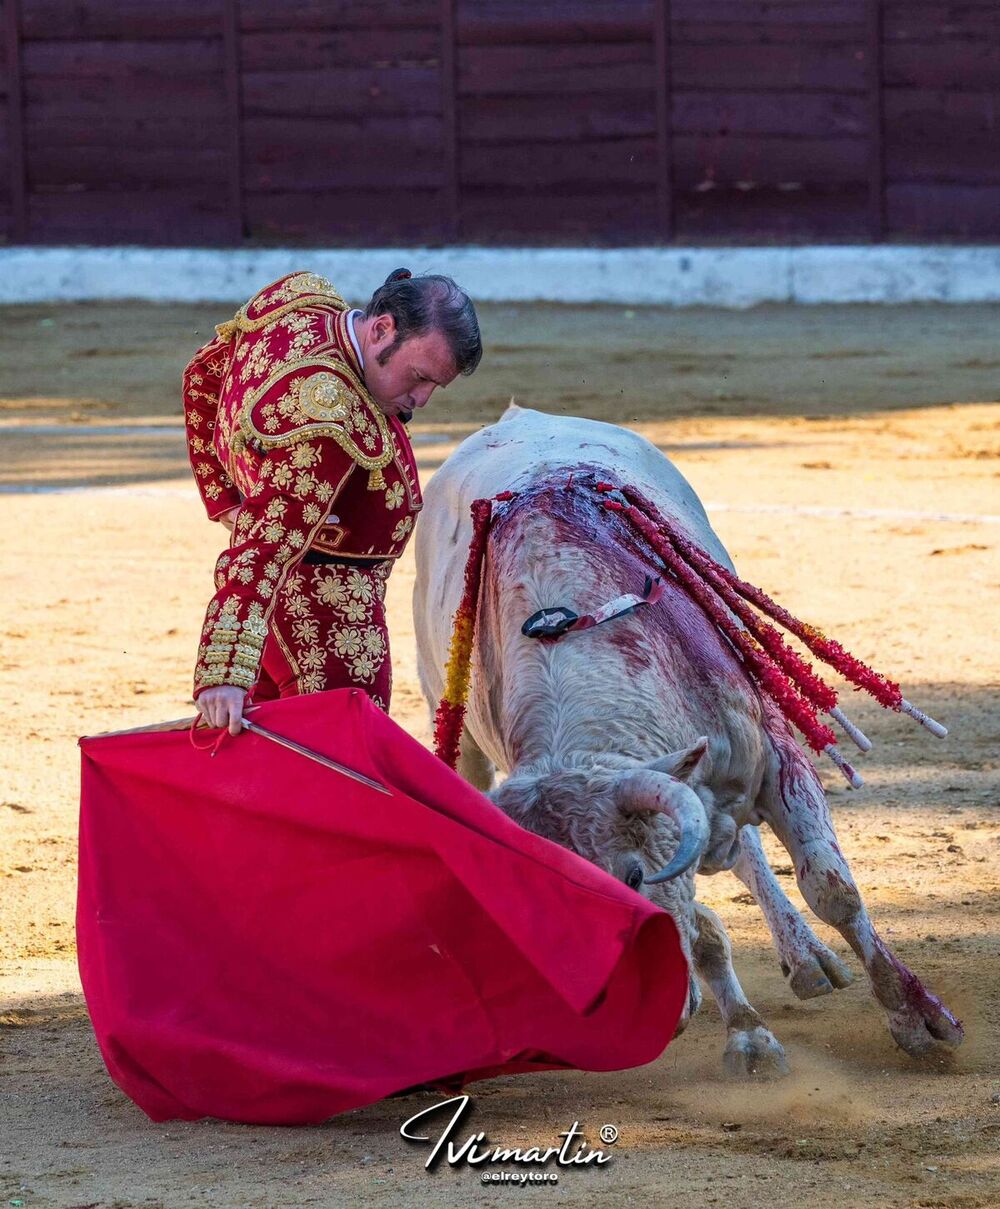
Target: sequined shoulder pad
289 293
316 398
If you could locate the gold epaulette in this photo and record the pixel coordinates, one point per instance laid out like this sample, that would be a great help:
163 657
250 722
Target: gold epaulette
289 293
313 398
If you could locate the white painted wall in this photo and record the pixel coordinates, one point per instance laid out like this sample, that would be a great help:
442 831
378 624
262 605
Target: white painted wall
725 277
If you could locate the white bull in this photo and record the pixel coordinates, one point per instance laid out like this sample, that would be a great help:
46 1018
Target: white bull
600 733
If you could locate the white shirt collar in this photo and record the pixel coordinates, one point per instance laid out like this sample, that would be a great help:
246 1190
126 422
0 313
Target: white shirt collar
351 316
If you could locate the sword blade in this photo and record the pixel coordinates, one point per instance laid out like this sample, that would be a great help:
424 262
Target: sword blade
314 755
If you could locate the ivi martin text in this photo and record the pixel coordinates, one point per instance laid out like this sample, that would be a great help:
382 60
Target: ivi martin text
476 1149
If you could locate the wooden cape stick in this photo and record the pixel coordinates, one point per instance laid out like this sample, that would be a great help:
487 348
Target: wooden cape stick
290 744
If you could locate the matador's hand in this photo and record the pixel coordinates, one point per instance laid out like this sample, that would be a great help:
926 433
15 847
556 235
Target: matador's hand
229 518
222 705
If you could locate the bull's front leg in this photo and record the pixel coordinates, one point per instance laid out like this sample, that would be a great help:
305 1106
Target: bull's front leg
473 765
751 1047
811 968
795 805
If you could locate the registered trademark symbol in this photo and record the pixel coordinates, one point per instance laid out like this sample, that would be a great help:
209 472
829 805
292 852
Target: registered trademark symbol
609 1134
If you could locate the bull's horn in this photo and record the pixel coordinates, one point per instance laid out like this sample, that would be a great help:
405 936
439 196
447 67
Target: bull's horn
656 792
681 764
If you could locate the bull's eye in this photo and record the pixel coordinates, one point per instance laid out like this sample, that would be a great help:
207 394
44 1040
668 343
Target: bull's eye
633 879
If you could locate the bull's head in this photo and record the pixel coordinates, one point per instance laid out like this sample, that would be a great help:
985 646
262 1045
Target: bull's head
612 817
660 788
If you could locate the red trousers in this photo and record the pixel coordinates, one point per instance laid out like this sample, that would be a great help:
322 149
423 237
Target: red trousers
327 631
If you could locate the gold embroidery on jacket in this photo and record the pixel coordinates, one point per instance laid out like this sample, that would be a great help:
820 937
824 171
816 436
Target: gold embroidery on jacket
300 290
318 405
232 641
402 529
295 286
327 397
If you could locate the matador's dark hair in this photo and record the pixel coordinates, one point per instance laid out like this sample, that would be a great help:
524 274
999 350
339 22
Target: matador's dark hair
430 302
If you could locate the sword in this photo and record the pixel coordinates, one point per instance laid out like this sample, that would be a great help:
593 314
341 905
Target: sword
314 755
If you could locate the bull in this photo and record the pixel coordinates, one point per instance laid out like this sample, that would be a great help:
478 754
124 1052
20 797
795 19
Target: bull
641 745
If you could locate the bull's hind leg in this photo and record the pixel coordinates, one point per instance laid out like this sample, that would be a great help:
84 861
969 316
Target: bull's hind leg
793 802
810 967
473 765
751 1047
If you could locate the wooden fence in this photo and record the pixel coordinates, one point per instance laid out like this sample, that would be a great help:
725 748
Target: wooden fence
593 121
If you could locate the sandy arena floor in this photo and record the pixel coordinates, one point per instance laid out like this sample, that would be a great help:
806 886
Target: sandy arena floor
848 458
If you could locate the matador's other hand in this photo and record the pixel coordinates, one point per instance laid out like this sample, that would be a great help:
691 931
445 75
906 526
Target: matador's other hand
229 518
222 705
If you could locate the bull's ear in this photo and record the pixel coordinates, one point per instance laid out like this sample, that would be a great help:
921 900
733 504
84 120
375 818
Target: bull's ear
681 764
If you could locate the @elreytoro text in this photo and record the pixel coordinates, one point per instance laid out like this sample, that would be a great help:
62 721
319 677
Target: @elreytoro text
443 1127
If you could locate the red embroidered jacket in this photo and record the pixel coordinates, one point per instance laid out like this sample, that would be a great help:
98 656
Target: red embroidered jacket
280 425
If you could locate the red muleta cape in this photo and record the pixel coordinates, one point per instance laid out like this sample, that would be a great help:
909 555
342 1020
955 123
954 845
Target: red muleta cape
262 939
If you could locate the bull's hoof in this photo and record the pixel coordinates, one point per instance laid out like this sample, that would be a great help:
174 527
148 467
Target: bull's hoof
926 1030
819 972
754 1053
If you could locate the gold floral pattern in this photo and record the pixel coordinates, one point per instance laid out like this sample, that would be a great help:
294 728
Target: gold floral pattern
359 585
270 534
330 589
256 359
302 340
351 628
402 529
347 642
304 456
200 392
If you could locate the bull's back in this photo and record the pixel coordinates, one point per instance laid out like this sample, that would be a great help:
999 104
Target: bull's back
526 447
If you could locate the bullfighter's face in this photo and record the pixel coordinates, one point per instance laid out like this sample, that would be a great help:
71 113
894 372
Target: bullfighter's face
401 377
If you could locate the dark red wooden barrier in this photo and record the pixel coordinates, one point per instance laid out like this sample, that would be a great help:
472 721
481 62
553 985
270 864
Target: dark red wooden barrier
595 121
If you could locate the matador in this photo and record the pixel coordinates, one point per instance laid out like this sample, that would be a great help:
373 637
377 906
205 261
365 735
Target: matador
296 417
